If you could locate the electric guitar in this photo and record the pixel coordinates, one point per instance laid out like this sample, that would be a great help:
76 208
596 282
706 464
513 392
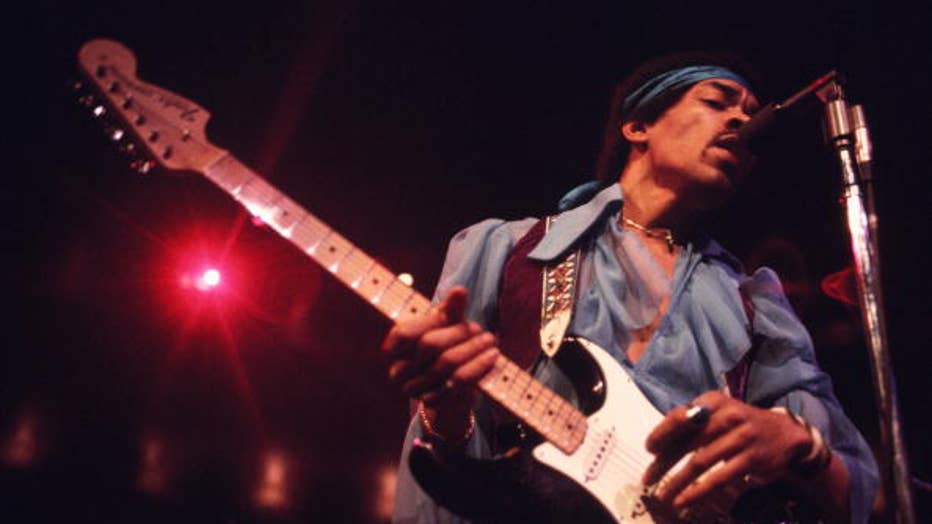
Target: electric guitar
586 464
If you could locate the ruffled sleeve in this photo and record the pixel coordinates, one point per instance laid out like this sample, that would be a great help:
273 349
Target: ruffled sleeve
785 373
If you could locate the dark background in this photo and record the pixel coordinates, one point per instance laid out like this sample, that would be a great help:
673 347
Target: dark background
398 124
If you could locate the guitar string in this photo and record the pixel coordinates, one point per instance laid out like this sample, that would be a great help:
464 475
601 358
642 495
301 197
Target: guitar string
629 463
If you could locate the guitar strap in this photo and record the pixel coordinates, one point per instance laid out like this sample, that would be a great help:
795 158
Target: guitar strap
523 314
535 302
558 295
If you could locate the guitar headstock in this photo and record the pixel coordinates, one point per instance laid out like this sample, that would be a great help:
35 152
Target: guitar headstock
168 129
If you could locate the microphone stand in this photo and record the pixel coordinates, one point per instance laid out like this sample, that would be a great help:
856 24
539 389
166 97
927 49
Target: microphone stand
850 148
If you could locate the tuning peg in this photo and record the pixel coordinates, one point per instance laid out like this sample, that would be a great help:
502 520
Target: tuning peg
115 134
141 166
128 147
99 110
75 85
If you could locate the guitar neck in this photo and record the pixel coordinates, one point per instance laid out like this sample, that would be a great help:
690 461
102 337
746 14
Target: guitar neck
360 272
508 384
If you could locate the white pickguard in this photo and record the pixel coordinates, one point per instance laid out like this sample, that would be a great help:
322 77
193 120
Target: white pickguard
612 458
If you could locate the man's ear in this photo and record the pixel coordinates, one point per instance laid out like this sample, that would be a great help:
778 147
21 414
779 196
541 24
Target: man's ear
635 132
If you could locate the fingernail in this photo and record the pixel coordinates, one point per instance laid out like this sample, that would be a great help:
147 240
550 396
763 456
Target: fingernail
697 415
474 327
659 492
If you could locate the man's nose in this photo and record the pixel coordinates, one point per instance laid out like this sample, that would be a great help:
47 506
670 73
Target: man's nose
736 119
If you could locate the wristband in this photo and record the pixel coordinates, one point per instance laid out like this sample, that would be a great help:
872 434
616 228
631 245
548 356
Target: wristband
819 456
435 436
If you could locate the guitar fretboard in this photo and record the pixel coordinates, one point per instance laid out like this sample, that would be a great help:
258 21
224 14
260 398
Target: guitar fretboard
542 409
360 272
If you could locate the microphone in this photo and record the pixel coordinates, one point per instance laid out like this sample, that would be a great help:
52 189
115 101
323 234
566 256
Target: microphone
753 131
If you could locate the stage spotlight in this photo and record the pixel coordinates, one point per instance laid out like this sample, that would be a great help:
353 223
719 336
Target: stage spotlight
204 280
208 280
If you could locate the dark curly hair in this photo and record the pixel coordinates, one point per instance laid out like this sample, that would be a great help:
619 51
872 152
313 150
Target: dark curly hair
615 148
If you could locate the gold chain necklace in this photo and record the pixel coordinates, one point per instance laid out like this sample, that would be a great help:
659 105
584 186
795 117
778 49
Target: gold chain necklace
652 232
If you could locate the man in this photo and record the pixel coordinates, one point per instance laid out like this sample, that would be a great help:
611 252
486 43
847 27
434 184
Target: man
669 304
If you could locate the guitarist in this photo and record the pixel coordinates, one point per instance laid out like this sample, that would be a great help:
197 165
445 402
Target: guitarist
718 351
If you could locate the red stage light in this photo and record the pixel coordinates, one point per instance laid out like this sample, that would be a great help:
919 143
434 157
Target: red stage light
208 280
204 280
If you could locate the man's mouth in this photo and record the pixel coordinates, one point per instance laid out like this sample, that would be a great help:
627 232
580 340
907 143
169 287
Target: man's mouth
737 154
730 143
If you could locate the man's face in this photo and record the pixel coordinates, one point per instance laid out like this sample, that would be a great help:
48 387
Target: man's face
693 147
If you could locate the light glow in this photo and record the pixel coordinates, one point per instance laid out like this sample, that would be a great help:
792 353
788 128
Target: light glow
385 481
204 280
153 471
210 279
272 491
22 448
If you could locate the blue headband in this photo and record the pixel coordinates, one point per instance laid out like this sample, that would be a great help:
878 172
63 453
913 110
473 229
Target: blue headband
674 79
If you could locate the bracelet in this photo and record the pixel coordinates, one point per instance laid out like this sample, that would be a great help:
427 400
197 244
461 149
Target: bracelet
819 456
434 435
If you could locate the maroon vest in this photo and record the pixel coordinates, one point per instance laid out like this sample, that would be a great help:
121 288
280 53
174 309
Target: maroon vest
518 324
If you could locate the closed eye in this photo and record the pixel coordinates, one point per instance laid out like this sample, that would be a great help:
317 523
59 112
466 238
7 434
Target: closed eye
714 104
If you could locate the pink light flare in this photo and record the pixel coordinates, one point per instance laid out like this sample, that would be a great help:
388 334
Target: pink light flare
205 281
208 280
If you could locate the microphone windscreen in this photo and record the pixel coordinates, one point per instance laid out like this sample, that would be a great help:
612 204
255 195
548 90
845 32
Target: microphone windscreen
753 131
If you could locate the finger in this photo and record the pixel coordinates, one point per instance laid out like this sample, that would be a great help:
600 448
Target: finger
444 366
680 422
400 370
450 311
405 365
704 461
474 370
437 341
453 306
678 439
467 375
729 473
